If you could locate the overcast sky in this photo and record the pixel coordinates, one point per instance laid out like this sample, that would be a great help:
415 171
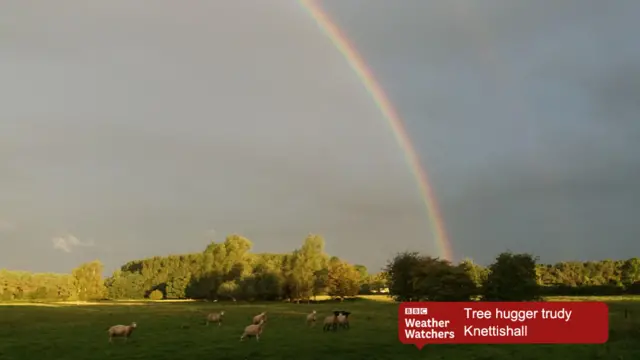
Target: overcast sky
133 129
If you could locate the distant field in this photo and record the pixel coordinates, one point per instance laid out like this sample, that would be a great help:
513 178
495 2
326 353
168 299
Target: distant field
176 331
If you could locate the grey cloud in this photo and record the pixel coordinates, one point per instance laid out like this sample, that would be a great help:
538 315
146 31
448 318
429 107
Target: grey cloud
6 226
144 126
525 113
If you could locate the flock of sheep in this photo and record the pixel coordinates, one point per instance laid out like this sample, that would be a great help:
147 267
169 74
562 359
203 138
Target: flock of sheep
339 319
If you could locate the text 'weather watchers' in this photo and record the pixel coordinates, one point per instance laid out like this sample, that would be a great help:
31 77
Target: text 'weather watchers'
423 323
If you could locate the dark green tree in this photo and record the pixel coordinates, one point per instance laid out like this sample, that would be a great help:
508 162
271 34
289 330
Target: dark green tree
438 280
399 272
512 277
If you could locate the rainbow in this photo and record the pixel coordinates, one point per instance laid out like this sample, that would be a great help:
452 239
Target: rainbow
354 59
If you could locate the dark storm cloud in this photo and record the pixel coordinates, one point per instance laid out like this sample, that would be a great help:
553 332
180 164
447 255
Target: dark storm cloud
525 113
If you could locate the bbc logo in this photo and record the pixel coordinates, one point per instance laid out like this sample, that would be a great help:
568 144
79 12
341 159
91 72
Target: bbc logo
416 311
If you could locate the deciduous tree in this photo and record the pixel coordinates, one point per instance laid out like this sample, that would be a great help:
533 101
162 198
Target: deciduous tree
512 277
88 282
343 280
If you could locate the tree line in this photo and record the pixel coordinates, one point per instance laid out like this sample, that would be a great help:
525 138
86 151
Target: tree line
511 277
226 270
229 270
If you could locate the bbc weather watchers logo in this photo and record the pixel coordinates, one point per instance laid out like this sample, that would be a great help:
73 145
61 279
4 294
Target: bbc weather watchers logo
415 311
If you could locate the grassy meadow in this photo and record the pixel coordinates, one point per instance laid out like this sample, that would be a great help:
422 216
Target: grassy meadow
175 330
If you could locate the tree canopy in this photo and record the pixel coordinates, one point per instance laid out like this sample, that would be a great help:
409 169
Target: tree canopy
226 270
230 271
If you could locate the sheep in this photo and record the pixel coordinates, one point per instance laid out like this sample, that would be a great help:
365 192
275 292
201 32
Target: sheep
343 319
253 330
260 317
339 319
215 318
311 318
330 322
121 331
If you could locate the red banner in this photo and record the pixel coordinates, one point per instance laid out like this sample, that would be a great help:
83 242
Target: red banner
423 323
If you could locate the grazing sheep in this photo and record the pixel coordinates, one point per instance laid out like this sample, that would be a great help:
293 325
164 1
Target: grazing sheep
311 318
343 320
214 318
330 322
339 319
121 331
253 330
260 317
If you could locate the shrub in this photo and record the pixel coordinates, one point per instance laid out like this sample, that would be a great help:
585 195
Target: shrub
156 295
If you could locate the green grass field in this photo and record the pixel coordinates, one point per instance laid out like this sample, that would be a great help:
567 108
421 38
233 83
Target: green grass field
177 331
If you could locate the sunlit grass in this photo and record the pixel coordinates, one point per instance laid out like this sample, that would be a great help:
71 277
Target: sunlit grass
381 298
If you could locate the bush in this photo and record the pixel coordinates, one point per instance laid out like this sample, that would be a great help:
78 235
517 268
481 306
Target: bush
156 295
633 289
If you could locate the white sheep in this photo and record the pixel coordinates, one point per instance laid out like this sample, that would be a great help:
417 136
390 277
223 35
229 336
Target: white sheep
338 319
330 322
253 330
342 321
121 331
215 318
260 317
311 318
